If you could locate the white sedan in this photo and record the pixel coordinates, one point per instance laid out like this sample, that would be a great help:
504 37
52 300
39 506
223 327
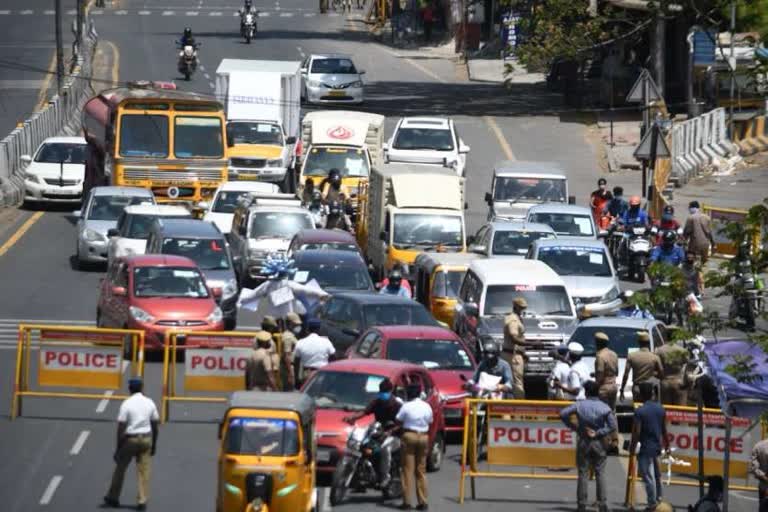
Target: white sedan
222 207
427 140
56 171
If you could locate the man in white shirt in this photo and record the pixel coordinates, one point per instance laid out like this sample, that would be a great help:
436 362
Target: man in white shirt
560 373
415 417
573 387
136 438
312 352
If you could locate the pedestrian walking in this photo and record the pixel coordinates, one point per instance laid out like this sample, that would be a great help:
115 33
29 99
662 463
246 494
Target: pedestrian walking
673 361
606 370
573 386
599 198
594 422
428 19
649 428
514 346
710 501
759 468
642 364
698 232
290 336
415 417
136 439
312 352
559 373
259 374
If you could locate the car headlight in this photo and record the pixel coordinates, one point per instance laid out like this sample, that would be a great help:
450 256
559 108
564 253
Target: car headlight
275 162
92 236
359 83
612 294
34 178
230 289
215 316
140 315
314 83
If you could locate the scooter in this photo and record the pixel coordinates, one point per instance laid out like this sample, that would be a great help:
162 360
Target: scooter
249 27
635 251
187 64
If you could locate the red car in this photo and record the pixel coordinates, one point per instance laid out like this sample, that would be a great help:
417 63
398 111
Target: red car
343 387
439 350
156 293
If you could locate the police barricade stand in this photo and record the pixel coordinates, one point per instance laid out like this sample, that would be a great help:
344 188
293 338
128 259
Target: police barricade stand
526 433
72 360
726 449
721 217
214 363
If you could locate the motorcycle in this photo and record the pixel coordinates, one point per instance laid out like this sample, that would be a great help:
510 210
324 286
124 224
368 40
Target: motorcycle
671 310
634 252
747 298
359 467
319 215
248 27
187 59
486 389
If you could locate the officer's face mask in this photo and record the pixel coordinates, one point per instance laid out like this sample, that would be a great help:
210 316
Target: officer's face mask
296 330
384 395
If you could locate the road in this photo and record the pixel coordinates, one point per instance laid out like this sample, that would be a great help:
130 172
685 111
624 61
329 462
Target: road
59 454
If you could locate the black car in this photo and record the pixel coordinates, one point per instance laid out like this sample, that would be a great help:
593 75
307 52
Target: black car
333 269
347 314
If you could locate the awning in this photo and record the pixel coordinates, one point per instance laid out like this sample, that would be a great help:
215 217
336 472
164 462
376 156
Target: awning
744 399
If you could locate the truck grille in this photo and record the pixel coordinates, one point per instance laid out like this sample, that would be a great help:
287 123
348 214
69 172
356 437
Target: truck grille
172 176
253 163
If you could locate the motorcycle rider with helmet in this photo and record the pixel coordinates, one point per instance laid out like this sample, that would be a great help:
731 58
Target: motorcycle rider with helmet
493 365
187 39
247 9
634 216
331 187
668 252
318 209
667 222
394 285
337 218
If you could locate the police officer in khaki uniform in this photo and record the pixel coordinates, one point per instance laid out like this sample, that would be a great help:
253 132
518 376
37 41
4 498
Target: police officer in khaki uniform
269 324
258 371
514 346
644 365
673 361
293 330
606 370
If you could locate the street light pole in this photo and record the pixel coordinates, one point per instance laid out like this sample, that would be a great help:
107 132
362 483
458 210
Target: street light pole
732 66
59 49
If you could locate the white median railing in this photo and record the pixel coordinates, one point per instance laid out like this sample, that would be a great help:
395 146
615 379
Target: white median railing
698 143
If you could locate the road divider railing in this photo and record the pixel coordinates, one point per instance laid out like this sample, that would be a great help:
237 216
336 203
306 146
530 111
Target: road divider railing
517 437
681 466
751 135
64 361
212 363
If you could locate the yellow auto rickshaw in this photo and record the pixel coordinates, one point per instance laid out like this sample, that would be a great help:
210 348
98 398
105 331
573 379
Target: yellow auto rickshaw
267 453
438 276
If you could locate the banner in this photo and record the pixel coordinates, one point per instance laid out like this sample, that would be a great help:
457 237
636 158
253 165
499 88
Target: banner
82 367
216 369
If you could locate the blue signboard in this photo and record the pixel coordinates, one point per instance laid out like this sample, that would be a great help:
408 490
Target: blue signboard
704 47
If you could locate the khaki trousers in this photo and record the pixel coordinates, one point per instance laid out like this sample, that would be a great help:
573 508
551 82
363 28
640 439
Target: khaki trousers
133 447
413 456
672 392
517 362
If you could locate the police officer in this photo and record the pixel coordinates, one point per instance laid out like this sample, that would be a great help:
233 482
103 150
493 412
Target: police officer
269 324
759 469
514 346
258 370
606 370
643 364
673 361
290 336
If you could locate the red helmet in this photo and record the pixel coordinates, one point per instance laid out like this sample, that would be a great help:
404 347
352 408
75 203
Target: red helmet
634 201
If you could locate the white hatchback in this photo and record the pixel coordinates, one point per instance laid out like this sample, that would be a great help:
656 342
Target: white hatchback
427 140
56 171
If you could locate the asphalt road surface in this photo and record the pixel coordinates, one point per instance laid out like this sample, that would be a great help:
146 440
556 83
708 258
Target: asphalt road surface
58 456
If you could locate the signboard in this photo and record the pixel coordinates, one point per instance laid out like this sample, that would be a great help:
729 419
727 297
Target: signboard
215 369
531 436
704 47
81 367
720 218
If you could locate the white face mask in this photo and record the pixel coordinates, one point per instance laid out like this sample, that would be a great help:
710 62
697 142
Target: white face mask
693 210
296 330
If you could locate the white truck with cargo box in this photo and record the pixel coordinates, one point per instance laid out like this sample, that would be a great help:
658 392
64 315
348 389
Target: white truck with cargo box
262 104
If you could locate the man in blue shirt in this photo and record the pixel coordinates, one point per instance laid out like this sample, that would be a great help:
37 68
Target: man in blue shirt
394 285
594 423
650 430
492 364
634 215
668 252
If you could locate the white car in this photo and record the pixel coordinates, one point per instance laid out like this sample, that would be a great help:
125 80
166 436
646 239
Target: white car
130 236
56 171
427 140
331 78
222 208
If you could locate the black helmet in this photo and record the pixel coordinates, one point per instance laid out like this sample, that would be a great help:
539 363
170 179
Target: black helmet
247 3
187 32
669 237
317 195
334 176
395 276
491 348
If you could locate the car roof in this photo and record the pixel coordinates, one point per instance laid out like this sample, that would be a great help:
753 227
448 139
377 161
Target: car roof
188 227
436 123
565 242
329 256
278 208
248 186
159 260
617 321
121 191
560 208
64 140
530 169
376 366
325 235
157 209
416 332
330 56
500 271
445 258
520 225
274 400
374 298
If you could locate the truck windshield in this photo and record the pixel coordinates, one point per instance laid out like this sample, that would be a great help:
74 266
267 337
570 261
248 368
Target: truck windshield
537 190
198 137
427 230
508 243
278 224
144 135
349 161
576 261
269 437
239 132
542 300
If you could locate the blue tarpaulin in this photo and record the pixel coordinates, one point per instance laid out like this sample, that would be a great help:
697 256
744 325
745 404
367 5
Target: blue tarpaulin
719 356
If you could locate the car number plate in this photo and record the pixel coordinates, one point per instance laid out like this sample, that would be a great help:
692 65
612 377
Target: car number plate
337 93
59 192
247 177
323 455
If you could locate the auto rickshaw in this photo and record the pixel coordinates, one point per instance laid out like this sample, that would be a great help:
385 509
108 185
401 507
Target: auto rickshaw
437 277
267 453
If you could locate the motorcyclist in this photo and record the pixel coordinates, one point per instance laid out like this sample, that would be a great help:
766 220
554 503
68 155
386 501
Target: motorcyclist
495 366
337 218
318 209
394 285
668 252
617 205
629 310
667 222
634 216
331 187
247 9
692 274
187 39
384 409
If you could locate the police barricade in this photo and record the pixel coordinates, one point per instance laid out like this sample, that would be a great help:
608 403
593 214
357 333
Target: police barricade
72 360
515 433
721 217
683 432
214 363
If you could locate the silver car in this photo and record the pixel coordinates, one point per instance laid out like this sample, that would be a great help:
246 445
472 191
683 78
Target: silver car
331 78
508 238
101 209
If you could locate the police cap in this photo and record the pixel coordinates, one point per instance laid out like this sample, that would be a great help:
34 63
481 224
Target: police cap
293 318
262 337
601 336
642 337
520 302
575 348
268 321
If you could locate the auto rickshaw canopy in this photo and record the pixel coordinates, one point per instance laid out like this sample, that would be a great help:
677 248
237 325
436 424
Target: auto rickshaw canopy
299 403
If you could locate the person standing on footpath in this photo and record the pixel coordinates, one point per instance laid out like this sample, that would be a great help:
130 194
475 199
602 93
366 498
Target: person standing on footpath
428 18
594 423
759 468
415 417
312 352
258 369
673 360
514 346
698 232
643 364
136 439
650 430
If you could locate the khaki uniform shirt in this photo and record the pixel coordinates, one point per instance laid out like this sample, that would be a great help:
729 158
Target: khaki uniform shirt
606 367
698 231
673 360
289 343
759 464
257 369
274 356
514 333
645 365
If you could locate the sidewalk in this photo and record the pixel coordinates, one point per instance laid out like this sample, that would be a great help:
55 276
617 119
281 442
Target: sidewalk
493 70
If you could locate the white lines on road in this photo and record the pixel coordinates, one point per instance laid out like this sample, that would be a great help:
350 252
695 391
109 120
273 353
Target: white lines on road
121 13
207 76
71 12
27 12
5 13
264 15
211 85
286 14
160 12
50 490
309 14
145 13
104 402
97 12
214 13
168 13
49 12
491 122
192 13
79 442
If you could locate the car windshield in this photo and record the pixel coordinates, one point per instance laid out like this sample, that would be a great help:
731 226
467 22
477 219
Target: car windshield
567 224
542 300
576 261
139 226
226 202
335 275
338 246
397 314
144 135
537 190
343 390
111 207
333 67
168 282
349 161
208 253
278 225
427 231
254 133
198 137
268 437
57 152
447 284
507 243
443 354
622 339
423 138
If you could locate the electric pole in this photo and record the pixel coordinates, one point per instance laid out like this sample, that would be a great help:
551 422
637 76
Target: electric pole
79 28
660 45
732 66
59 49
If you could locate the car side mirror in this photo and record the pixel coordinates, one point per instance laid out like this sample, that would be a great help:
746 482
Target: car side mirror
217 292
26 159
230 143
219 430
303 71
571 199
385 146
203 205
77 214
471 309
119 291
112 232
463 149
488 198
471 239
478 248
